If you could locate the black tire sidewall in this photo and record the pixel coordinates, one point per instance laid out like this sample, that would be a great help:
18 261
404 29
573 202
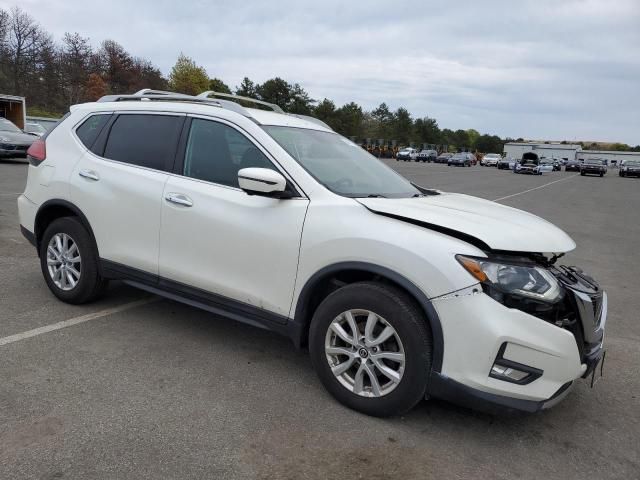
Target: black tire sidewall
408 321
90 281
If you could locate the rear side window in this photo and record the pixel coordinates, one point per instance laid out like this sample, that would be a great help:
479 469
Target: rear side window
144 140
88 132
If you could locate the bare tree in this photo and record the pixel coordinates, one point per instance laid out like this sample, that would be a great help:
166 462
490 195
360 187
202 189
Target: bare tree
24 46
75 61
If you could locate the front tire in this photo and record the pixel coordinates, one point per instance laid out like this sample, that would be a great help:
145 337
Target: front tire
69 262
371 347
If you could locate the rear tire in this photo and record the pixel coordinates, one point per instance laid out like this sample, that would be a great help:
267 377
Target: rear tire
69 262
405 381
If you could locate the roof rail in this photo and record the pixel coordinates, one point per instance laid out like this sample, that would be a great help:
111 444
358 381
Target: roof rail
272 106
147 94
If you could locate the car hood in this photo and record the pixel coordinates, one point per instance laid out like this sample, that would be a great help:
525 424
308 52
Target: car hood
18 138
498 226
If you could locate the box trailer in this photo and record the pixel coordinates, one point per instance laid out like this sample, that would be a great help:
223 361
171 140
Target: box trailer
14 109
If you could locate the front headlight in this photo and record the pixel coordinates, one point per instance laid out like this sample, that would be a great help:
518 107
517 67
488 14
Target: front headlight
499 279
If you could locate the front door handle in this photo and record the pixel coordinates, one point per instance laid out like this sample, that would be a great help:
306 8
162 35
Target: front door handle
90 174
179 199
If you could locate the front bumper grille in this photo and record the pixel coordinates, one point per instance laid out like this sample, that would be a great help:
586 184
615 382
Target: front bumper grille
588 306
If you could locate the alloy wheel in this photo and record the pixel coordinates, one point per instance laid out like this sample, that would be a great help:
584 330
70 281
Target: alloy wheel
365 353
63 261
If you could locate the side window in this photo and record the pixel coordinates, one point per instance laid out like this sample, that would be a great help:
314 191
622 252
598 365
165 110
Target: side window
144 140
90 129
215 152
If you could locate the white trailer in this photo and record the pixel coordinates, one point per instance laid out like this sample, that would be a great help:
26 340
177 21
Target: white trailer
14 109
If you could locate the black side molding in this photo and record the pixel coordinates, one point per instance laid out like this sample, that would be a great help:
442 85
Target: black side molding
29 236
211 302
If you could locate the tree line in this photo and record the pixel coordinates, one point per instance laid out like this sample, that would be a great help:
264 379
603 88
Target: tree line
54 75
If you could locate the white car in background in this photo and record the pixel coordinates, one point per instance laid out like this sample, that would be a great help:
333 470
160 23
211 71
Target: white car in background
400 292
490 160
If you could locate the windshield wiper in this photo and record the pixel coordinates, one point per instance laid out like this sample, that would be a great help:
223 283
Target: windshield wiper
375 195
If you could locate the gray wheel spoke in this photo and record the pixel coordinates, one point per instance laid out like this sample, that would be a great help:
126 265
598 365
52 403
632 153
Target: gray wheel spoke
58 241
387 372
53 252
355 333
372 319
339 351
70 280
72 250
394 356
384 335
75 259
53 261
343 367
343 334
358 384
74 272
375 385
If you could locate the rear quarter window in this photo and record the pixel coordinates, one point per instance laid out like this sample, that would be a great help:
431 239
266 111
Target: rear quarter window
90 129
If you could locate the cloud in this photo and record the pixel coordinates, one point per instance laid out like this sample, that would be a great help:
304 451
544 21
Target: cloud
537 69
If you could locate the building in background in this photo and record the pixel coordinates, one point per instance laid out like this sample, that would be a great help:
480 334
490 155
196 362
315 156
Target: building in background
562 151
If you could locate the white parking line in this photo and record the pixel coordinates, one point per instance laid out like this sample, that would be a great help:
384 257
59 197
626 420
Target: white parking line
74 321
536 188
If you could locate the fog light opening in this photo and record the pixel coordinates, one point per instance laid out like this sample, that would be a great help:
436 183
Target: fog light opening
513 372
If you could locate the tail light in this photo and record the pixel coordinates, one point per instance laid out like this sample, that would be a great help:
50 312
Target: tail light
37 152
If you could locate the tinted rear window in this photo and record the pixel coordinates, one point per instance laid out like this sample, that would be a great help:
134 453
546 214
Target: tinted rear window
90 129
144 140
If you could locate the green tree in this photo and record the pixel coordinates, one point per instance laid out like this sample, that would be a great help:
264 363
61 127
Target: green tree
489 144
402 126
383 118
218 85
351 120
247 88
187 77
291 98
326 111
472 135
426 130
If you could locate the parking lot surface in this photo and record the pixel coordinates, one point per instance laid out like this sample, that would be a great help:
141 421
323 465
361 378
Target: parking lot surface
156 389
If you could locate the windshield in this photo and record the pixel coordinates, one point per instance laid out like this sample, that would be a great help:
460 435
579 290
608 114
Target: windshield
7 126
594 161
341 165
492 155
632 163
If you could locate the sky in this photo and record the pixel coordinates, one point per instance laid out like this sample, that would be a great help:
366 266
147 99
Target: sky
539 69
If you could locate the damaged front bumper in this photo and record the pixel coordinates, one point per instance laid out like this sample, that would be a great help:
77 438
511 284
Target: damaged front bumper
480 333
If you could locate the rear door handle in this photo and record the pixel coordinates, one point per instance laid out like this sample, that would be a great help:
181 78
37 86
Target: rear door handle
179 199
90 174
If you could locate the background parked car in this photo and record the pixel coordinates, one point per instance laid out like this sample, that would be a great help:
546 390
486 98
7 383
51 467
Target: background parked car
427 156
34 128
490 160
593 166
572 166
546 165
407 154
506 164
461 160
631 168
444 157
13 141
528 164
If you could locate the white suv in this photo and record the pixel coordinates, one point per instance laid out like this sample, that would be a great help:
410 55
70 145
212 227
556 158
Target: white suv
400 292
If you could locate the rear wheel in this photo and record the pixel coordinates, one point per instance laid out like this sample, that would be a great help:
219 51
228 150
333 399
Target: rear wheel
69 262
371 348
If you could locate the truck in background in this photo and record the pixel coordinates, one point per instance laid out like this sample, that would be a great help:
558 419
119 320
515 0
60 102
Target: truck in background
14 109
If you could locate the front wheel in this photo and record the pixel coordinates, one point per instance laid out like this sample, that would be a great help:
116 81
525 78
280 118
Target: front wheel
371 347
69 262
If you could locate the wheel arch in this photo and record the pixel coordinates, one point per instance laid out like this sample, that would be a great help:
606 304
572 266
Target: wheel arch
58 208
331 277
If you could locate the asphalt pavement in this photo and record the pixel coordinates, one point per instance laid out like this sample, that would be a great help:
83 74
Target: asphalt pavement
156 389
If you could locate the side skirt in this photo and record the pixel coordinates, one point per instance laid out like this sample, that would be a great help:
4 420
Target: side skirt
195 297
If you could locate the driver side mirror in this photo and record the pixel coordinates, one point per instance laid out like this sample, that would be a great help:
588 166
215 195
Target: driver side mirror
263 181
